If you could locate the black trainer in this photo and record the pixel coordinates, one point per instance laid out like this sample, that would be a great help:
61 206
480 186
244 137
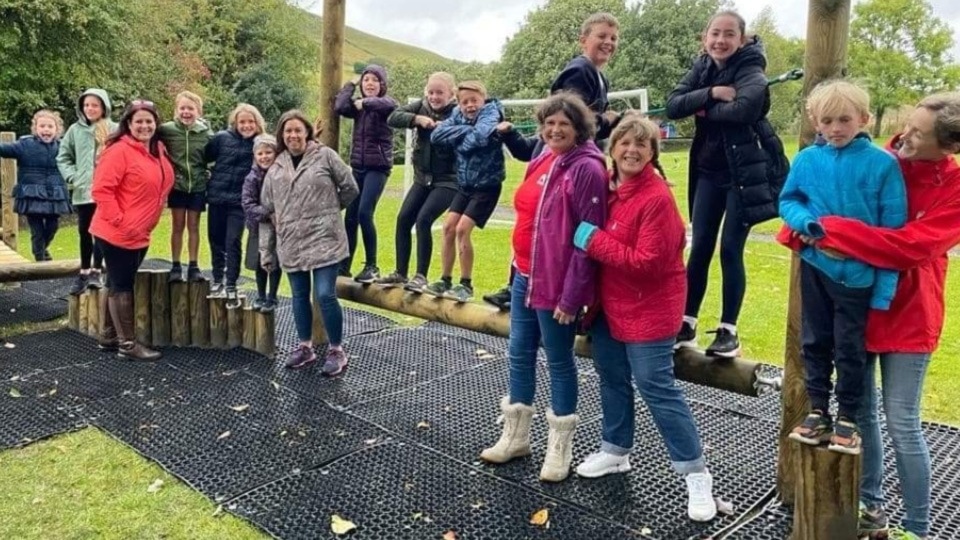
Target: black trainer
95 279
725 345
687 338
872 521
369 274
176 274
501 298
79 284
194 274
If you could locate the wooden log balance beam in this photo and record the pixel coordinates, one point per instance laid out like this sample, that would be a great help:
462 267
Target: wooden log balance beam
734 375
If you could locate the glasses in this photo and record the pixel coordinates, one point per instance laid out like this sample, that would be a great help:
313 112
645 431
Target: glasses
139 104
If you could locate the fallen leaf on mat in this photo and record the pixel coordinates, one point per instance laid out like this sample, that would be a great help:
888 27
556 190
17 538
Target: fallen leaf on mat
724 507
371 441
481 352
478 505
15 393
224 435
276 385
423 424
240 408
10 345
450 535
283 433
417 516
218 511
541 518
646 531
341 526
52 392
155 486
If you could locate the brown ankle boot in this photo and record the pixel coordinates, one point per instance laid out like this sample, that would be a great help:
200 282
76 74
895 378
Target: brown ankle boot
121 310
107 340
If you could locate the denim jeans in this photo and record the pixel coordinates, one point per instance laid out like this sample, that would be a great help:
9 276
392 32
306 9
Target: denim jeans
902 376
527 327
651 366
325 291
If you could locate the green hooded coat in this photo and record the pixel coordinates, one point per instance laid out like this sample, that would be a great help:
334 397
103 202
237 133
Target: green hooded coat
78 149
185 149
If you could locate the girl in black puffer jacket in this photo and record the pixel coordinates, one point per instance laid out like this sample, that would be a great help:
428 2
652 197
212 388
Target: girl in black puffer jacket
737 167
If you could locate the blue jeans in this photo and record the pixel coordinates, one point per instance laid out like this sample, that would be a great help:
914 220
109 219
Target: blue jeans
651 366
527 327
902 376
325 291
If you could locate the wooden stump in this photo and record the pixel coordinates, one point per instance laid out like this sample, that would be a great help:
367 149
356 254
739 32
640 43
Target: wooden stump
83 321
73 312
218 322
249 329
827 494
180 314
160 308
265 331
142 292
319 333
93 313
199 313
235 327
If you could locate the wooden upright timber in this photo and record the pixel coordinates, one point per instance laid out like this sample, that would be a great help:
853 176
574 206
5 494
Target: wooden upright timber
331 68
827 496
9 222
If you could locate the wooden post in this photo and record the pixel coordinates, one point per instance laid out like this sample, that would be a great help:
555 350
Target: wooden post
83 320
828 27
9 223
319 333
93 313
249 328
73 312
235 327
180 314
827 495
142 291
265 334
199 313
218 322
331 68
160 308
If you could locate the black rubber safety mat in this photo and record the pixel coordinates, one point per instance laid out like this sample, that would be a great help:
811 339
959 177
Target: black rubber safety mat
774 523
356 322
401 491
23 304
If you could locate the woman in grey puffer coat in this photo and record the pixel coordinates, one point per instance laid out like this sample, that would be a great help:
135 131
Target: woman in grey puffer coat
304 191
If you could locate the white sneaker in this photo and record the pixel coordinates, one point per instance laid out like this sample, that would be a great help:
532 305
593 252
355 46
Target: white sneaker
700 503
600 464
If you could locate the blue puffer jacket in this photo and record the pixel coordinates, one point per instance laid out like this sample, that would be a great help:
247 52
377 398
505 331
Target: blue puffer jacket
480 165
40 188
233 156
372 146
859 181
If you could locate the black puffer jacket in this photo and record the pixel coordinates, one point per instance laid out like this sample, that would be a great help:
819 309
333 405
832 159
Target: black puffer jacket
233 156
372 146
752 151
433 165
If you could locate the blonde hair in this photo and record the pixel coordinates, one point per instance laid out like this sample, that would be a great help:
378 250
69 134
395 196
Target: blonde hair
473 86
946 125
250 109
190 96
830 98
595 19
47 113
444 78
634 124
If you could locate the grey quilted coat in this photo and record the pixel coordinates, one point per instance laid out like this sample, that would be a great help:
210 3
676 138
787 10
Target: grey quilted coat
306 230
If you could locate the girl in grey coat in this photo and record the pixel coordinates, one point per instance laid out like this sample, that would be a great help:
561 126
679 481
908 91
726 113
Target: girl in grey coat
304 191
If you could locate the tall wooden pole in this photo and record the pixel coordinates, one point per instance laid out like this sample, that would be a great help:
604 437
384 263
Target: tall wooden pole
828 27
331 68
8 178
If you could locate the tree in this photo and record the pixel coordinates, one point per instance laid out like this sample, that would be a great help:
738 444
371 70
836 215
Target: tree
264 87
783 54
900 51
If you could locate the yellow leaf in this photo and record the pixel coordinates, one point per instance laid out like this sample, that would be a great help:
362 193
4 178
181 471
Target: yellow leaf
15 393
240 408
478 505
52 392
155 486
224 435
417 516
371 441
450 535
218 511
540 518
423 424
341 526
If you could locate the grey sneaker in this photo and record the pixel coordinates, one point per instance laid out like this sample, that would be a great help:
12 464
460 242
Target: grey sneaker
437 288
416 284
369 274
218 290
872 521
460 292
95 280
300 357
79 284
335 363
395 279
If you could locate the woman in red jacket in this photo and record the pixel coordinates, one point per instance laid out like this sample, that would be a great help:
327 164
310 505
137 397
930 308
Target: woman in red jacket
130 186
642 295
903 338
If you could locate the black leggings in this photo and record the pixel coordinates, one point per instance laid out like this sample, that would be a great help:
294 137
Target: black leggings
263 277
224 232
712 201
421 207
43 227
360 213
88 249
123 264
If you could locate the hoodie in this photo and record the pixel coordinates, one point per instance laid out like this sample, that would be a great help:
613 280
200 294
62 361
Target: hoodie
81 146
372 146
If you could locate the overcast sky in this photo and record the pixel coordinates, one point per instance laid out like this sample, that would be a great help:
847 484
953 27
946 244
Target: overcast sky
477 29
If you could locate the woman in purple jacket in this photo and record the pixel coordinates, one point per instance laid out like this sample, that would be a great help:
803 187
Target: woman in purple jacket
371 158
553 282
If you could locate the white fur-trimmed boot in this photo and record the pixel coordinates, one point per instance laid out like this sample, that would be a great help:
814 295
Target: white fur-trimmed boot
556 464
515 440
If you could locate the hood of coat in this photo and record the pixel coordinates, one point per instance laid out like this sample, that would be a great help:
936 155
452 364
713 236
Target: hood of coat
587 150
381 74
99 93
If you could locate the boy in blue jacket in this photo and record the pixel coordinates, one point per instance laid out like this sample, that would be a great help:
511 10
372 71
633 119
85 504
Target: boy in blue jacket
472 131
849 177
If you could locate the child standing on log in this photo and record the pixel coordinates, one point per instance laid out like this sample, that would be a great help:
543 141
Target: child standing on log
847 177
41 194
264 154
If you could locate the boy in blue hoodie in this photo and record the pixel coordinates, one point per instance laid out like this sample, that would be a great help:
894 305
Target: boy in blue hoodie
472 131
849 177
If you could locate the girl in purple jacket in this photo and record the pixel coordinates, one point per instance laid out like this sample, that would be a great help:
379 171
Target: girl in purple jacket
264 153
371 158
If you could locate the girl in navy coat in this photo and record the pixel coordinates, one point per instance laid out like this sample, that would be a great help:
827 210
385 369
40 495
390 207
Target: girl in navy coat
40 192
